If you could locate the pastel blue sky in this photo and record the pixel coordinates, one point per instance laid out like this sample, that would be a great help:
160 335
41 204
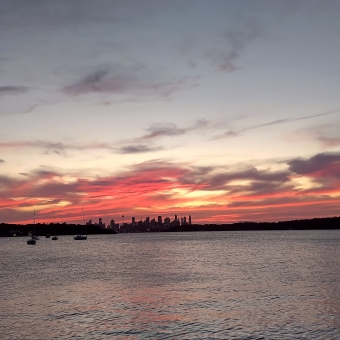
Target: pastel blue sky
93 90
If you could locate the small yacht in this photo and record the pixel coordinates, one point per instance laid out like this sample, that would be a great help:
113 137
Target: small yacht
31 241
81 236
34 238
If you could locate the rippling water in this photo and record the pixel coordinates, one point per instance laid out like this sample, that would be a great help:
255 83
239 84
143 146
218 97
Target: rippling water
228 285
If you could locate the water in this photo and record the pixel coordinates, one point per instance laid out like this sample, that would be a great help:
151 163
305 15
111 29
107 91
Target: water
228 285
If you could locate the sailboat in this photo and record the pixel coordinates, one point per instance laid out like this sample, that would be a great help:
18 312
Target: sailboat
82 236
34 237
55 237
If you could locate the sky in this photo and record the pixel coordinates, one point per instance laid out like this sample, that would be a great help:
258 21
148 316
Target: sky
225 110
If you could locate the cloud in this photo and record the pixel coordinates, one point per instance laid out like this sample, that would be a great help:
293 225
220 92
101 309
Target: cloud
262 201
232 133
249 174
239 37
91 83
130 146
62 149
123 67
85 58
52 184
322 165
56 148
12 90
23 13
329 141
236 40
133 80
48 147
327 134
163 130
253 181
131 149
165 187
171 129
63 13
223 60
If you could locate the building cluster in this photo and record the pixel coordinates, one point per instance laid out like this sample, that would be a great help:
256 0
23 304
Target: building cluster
147 225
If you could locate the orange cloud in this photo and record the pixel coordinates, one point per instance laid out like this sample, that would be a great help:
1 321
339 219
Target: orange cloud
165 188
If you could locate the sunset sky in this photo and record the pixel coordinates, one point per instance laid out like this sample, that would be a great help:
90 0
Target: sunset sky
225 110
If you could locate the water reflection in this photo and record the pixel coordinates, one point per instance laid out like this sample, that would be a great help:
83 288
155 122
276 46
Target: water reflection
184 286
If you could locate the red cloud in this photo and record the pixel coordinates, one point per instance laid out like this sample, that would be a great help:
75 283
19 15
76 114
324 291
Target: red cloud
154 188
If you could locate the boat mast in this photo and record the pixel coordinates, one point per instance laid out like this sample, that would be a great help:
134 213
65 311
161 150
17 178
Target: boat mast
82 210
34 223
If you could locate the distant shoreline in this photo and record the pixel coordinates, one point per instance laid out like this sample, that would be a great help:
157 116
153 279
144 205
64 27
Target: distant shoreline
306 224
7 229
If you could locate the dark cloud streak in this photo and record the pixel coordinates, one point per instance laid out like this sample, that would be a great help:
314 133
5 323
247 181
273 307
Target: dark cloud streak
91 83
13 90
166 130
132 149
232 133
324 163
62 149
133 80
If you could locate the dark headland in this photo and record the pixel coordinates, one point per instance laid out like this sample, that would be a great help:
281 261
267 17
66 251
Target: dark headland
71 229
308 224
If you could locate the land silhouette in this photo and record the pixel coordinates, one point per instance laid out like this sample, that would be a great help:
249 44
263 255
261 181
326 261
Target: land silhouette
7 229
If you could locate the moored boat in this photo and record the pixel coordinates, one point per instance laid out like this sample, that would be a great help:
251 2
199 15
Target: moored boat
34 237
80 237
31 241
